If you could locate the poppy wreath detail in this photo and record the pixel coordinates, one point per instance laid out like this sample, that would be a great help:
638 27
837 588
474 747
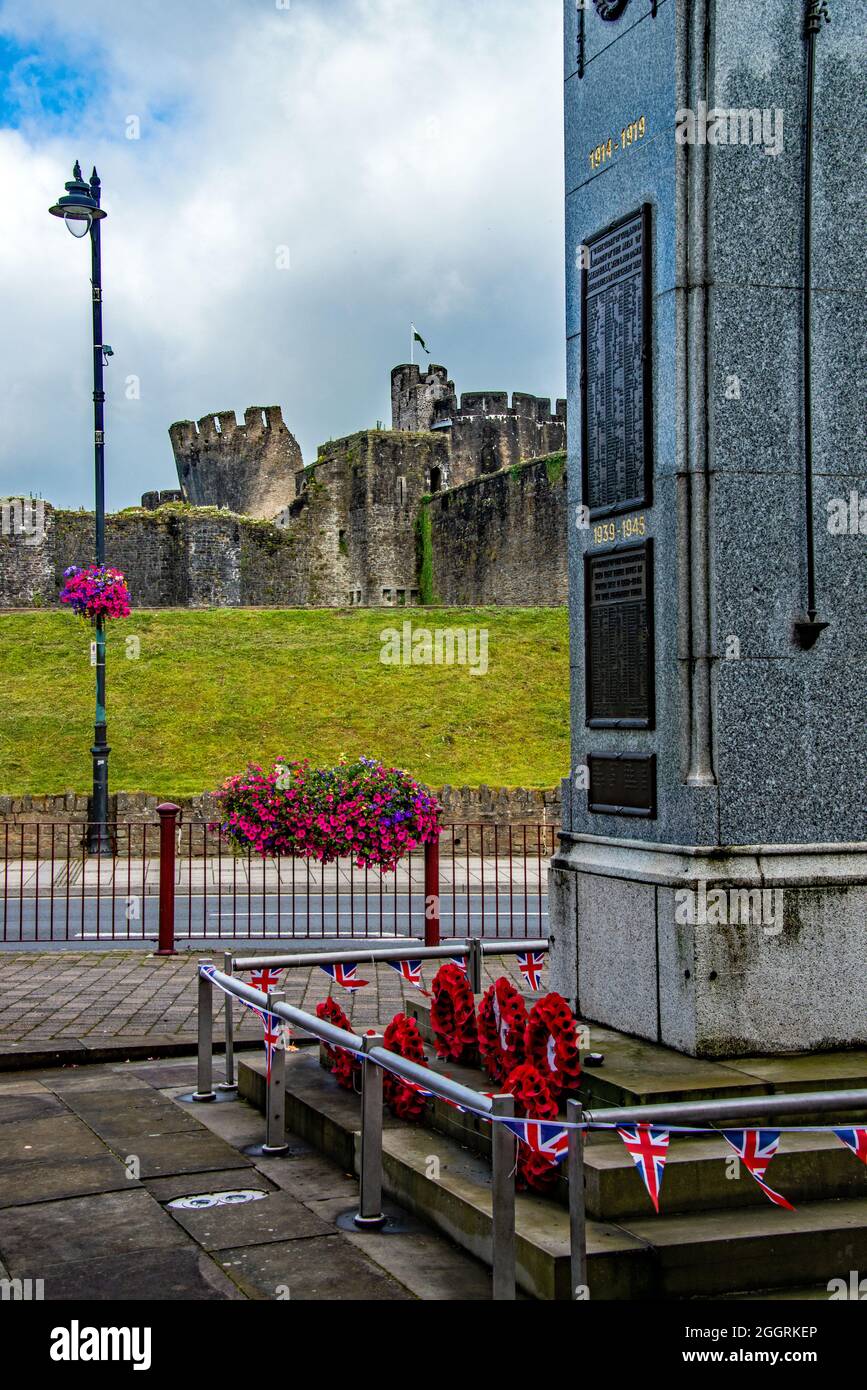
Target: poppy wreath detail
533 1098
452 1013
344 1066
502 1025
551 1043
403 1037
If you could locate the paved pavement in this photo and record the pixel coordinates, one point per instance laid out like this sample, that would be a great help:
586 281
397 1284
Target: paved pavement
92 1159
100 997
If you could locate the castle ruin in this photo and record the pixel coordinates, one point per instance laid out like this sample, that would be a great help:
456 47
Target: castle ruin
462 501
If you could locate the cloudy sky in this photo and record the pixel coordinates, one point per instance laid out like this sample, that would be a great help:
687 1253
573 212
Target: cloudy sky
309 176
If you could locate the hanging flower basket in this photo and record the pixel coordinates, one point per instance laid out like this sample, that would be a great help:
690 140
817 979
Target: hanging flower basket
453 1014
359 810
551 1043
502 1024
345 1067
533 1097
95 592
403 1037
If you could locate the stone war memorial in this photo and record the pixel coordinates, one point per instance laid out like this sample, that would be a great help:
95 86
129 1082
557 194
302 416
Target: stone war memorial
511 946
710 890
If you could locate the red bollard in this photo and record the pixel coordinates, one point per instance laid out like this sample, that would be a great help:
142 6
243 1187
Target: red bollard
432 893
168 813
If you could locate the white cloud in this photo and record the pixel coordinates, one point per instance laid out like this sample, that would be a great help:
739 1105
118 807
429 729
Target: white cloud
410 157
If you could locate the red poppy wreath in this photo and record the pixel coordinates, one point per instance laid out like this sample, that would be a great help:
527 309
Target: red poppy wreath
502 1023
533 1098
344 1066
551 1043
452 1014
402 1036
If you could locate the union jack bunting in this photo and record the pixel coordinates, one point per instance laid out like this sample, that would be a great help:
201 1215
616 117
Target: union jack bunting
423 1091
410 972
530 964
265 979
854 1139
344 975
649 1149
541 1137
755 1148
272 1036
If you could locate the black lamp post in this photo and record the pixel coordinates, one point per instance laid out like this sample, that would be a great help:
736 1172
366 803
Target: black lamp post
80 210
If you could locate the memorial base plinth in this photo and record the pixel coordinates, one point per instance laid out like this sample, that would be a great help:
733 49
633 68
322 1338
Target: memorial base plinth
716 952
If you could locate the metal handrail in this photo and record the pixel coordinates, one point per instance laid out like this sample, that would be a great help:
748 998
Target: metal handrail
339 1037
688 1112
374 1057
386 953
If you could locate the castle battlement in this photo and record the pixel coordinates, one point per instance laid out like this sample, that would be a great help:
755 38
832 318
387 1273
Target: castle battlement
249 468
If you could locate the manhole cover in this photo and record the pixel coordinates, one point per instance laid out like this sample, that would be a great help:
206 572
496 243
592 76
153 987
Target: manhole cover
217 1199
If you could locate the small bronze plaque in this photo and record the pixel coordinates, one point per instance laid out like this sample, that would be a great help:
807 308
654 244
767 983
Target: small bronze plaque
622 784
618 644
616 367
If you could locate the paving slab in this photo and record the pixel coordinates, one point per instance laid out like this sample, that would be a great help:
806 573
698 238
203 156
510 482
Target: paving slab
187 1275
428 1266
187 1151
32 1105
56 1136
310 1177
48 1180
33 1239
116 1119
278 1217
324 1268
168 1074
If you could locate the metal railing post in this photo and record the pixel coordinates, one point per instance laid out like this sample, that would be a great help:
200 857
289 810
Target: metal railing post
474 964
230 1084
168 813
275 1099
504 1156
432 893
577 1212
205 1073
370 1216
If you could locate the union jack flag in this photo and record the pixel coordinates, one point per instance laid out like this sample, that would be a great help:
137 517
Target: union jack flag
854 1139
460 962
541 1137
755 1148
410 972
265 979
530 964
344 975
649 1149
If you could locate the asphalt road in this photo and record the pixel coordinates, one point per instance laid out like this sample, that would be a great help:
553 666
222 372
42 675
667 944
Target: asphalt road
318 917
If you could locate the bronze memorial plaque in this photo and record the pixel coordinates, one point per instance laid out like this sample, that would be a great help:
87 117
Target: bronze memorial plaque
622 784
618 642
615 367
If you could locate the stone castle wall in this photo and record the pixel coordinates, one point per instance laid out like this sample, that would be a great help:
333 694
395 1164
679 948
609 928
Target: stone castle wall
502 538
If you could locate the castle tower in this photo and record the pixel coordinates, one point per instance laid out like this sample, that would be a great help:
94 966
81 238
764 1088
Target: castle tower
417 394
248 468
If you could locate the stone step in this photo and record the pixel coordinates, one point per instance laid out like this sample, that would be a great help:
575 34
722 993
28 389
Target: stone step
699 1174
702 1253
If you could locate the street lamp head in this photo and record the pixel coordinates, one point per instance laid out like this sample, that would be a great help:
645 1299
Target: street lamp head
79 207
